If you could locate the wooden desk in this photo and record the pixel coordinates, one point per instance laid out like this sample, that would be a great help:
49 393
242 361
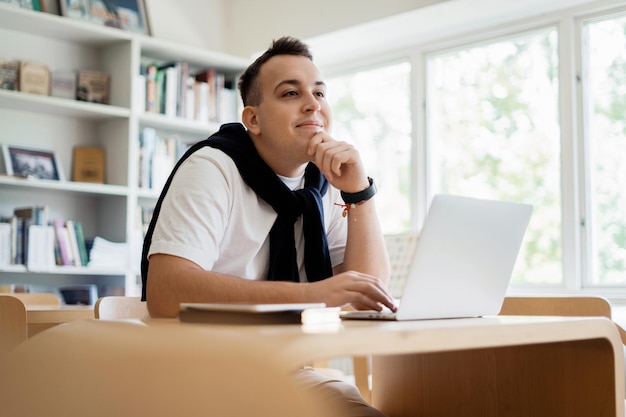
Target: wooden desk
493 367
42 317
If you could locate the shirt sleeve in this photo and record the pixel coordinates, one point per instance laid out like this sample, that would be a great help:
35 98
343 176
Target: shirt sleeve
336 226
195 211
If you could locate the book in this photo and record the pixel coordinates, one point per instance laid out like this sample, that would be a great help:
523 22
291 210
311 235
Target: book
34 78
139 91
147 147
5 243
63 84
190 98
37 214
93 86
20 241
63 242
27 217
246 314
210 77
40 247
25 4
171 91
201 100
9 74
163 161
12 222
71 232
88 164
80 241
171 73
183 80
151 89
159 88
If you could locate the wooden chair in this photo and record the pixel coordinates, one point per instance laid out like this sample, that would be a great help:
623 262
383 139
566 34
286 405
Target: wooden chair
559 306
13 328
116 307
518 306
401 251
127 369
37 298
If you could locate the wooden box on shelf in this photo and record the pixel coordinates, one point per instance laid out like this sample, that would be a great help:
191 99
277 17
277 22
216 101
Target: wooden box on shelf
88 164
34 78
9 74
93 86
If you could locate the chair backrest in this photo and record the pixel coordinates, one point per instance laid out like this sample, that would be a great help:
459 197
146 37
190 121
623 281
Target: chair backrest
556 306
38 298
116 307
120 370
560 306
13 328
401 251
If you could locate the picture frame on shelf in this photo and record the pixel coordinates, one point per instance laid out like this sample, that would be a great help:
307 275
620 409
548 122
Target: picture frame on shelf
31 163
128 15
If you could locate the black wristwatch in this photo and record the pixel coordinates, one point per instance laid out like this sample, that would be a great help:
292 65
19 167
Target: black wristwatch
361 196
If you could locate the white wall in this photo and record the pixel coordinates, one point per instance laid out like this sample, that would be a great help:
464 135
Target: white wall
244 27
252 24
197 23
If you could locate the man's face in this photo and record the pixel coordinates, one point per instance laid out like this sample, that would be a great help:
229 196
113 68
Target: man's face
293 108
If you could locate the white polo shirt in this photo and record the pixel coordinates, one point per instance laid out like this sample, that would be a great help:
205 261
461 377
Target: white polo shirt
211 217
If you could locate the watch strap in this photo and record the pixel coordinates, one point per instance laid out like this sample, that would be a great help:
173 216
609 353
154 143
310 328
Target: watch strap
361 196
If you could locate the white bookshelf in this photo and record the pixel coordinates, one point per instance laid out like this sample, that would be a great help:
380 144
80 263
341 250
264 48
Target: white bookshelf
107 210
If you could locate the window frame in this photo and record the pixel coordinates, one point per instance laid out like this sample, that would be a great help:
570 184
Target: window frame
572 118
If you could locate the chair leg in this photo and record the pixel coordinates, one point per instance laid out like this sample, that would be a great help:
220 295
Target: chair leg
361 376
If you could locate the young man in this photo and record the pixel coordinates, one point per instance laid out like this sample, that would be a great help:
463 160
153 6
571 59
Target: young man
276 212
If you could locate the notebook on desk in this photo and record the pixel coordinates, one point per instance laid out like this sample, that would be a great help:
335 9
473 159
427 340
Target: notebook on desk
463 262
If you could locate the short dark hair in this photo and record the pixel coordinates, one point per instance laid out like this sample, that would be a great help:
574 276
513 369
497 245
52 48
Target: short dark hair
248 86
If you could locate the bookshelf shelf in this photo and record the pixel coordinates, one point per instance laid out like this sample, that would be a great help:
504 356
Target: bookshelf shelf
110 210
54 26
63 186
16 100
178 125
13 268
64 270
163 50
147 194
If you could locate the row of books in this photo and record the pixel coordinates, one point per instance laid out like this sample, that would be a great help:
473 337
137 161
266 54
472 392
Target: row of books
36 78
14 235
158 154
144 216
29 238
171 89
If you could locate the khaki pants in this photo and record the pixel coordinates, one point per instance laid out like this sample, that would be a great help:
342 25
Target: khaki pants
343 398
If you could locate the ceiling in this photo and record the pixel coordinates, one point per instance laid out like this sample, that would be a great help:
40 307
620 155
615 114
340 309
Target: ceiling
433 22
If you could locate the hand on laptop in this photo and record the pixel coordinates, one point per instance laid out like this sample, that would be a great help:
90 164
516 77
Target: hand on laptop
362 291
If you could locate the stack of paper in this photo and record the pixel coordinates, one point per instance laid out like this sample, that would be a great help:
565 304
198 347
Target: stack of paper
106 254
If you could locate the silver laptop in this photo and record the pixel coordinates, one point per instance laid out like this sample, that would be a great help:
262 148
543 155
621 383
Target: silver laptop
463 262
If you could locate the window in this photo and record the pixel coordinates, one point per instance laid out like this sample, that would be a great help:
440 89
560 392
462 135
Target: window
371 109
605 86
493 132
493 112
